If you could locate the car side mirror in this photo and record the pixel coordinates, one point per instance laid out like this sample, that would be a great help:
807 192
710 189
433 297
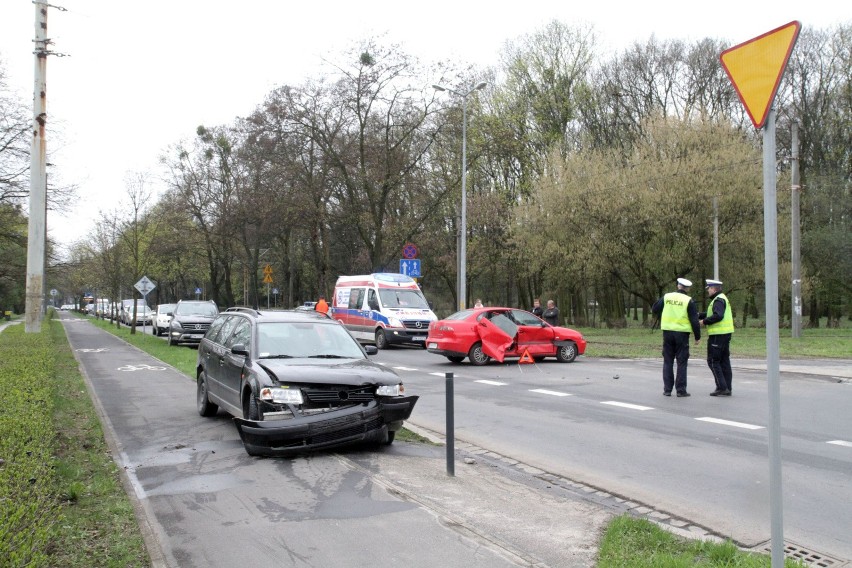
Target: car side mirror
170 314
371 349
239 349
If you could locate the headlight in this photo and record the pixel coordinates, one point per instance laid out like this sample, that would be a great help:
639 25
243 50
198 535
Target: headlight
390 390
281 396
395 322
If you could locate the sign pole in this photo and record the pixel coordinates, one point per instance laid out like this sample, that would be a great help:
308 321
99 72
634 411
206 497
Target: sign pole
770 238
755 69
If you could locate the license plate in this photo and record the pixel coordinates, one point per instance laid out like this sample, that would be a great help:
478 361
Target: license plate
432 346
418 339
196 336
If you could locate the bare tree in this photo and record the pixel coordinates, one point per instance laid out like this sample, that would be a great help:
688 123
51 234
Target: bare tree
15 143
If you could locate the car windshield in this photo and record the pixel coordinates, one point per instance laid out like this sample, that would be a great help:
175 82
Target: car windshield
192 309
316 339
396 298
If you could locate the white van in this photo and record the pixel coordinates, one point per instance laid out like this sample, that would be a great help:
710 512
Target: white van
382 308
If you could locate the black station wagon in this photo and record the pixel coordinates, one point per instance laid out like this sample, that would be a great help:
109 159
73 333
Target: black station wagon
295 382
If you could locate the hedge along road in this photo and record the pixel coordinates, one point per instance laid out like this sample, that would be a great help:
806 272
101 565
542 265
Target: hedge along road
202 501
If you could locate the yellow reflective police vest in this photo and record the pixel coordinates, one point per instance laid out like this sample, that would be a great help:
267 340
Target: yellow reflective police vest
726 324
674 317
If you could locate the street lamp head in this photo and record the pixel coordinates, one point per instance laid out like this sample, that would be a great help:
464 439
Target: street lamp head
439 88
480 86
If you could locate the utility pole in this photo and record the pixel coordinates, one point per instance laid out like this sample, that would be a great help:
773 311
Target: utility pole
715 238
795 224
38 179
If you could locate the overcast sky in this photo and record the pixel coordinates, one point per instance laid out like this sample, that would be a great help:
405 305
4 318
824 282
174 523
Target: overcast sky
143 75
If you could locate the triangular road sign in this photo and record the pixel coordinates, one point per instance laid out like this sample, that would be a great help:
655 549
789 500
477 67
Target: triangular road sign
526 357
756 67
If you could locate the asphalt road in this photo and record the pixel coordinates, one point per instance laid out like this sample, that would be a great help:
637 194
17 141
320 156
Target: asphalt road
602 423
202 501
606 423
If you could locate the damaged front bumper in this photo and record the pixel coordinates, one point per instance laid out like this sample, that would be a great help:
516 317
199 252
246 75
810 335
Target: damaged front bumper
368 422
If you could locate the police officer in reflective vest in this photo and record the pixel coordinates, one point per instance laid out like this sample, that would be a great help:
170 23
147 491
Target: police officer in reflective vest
719 321
678 316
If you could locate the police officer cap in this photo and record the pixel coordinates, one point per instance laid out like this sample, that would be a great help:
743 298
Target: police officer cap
684 282
714 283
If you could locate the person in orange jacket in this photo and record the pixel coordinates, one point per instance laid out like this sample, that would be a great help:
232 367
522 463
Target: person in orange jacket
322 306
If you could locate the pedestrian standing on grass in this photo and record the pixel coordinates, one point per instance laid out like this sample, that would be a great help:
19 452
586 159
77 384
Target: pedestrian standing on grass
551 314
537 310
678 315
719 321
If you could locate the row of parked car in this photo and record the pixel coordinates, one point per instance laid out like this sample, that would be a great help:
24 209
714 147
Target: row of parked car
183 322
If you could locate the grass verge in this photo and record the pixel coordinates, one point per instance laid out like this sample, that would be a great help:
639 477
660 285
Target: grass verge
636 543
61 498
748 343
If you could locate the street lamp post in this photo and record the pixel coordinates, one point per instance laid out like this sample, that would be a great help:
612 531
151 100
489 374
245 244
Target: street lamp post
462 284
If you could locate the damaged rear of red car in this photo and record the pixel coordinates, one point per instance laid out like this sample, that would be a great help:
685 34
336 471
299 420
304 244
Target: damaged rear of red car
500 333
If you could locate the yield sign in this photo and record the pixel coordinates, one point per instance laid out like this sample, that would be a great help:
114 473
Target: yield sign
756 67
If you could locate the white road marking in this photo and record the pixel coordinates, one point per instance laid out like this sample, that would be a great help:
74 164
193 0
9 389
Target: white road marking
487 382
444 375
840 443
627 405
730 423
553 393
143 367
405 369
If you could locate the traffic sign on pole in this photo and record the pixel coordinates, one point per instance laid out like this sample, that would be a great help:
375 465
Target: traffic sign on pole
145 285
755 68
410 267
410 251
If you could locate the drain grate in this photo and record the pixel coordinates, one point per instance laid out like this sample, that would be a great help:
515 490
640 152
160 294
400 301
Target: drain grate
805 555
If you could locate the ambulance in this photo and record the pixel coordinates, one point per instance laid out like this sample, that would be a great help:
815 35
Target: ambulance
382 308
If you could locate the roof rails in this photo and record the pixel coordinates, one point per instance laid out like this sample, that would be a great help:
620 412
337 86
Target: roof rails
244 309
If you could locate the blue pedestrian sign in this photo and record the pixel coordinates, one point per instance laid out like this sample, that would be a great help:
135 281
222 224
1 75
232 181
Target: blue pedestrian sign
410 267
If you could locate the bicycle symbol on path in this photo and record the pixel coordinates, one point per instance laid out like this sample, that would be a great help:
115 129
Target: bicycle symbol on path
141 368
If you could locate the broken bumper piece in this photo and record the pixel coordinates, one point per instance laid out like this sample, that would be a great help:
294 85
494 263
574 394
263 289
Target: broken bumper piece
362 423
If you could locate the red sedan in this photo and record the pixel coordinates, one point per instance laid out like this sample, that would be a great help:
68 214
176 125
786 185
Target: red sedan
481 334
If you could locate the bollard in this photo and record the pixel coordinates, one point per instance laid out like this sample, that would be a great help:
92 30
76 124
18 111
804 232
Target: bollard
451 450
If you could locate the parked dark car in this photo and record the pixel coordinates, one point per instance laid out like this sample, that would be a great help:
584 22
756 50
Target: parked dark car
296 381
190 321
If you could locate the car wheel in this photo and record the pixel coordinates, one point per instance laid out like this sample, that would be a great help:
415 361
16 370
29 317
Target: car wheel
381 339
252 412
455 358
477 356
566 353
205 407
